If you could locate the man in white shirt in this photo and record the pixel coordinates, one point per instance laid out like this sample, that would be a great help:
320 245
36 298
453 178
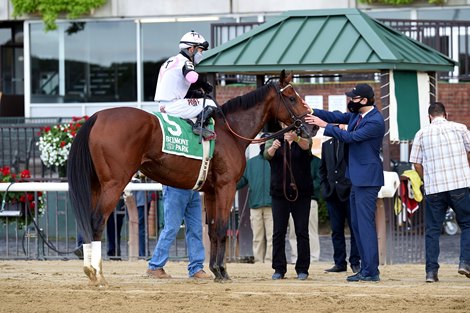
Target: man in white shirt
175 78
439 154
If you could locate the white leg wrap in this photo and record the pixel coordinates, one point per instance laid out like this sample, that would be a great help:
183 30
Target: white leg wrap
96 255
87 254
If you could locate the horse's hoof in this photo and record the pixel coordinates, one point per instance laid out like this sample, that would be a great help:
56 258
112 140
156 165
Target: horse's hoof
95 281
90 272
102 283
222 280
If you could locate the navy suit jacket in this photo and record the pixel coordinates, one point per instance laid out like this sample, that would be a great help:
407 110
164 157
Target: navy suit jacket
365 167
333 170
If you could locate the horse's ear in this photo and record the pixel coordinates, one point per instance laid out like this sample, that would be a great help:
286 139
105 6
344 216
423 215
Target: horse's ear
289 78
282 77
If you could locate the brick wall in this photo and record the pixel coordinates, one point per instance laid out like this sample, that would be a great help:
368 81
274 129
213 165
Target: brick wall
456 98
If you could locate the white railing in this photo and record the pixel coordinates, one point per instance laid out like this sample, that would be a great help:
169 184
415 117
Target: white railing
12 187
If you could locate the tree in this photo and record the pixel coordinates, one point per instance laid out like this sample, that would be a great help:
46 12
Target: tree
49 10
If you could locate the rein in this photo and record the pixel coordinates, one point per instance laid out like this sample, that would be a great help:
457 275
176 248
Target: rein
295 125
287 164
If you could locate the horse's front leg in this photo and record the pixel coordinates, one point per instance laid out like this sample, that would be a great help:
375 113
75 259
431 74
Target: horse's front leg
218 216
92 264
218 237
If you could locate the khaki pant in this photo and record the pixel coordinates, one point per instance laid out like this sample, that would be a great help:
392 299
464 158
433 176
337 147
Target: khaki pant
262 226
314 239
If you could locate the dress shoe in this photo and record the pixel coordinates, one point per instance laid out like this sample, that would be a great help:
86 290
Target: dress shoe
356 268
355 277
359 277
277 276
158 273
201 275
302 276
431 277
336 269
464 269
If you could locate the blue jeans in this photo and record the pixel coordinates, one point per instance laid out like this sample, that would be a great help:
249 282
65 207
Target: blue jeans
179 205
436 207
141 210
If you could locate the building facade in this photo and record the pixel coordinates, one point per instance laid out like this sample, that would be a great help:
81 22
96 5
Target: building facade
111 57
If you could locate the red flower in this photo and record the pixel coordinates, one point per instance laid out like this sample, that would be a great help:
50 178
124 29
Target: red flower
62 144
6 171
25 174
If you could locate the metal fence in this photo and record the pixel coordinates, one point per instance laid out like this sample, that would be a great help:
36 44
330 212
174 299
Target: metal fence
18 145
51 232
451 38
405 236
405 226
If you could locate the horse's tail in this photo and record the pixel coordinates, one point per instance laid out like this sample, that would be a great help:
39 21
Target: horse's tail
80 171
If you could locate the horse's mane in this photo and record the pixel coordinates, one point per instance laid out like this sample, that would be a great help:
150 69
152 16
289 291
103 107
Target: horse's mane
248 100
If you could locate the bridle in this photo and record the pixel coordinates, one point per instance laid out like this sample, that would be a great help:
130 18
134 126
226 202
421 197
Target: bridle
295 125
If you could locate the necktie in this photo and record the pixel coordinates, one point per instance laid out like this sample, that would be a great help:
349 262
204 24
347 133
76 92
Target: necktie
358 121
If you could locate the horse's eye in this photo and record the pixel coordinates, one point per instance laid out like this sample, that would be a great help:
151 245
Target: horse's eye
292 99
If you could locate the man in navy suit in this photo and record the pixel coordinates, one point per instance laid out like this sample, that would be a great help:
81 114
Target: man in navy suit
366 128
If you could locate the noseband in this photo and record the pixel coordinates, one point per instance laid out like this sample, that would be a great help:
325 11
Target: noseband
297 119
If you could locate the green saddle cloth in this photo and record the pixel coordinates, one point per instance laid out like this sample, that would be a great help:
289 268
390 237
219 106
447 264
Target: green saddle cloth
179 139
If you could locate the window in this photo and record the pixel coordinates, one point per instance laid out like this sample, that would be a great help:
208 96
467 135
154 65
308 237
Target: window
84 62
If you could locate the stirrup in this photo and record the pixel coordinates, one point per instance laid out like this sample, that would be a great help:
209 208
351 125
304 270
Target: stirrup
206 133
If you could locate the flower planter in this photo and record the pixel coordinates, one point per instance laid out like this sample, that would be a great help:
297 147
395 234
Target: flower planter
12 210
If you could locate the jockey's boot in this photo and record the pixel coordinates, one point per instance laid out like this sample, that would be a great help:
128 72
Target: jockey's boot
206 133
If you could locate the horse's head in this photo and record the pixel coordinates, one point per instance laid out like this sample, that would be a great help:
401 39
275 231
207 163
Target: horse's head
293 108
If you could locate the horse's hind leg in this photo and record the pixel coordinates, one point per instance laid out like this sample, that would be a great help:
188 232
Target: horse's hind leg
93 264
92 258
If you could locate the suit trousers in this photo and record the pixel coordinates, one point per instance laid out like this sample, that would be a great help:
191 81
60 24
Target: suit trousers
363 206
300 211
339 213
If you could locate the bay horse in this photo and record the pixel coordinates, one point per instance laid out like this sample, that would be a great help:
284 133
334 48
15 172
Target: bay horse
114 143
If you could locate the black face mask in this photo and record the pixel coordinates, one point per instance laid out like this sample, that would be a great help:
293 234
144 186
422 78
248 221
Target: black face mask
354 107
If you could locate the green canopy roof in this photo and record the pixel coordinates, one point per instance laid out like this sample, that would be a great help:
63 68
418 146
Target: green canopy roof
322 41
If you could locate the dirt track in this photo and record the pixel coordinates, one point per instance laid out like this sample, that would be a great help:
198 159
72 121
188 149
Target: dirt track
61 286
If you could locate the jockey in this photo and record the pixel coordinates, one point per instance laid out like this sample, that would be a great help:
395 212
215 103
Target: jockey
178 86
